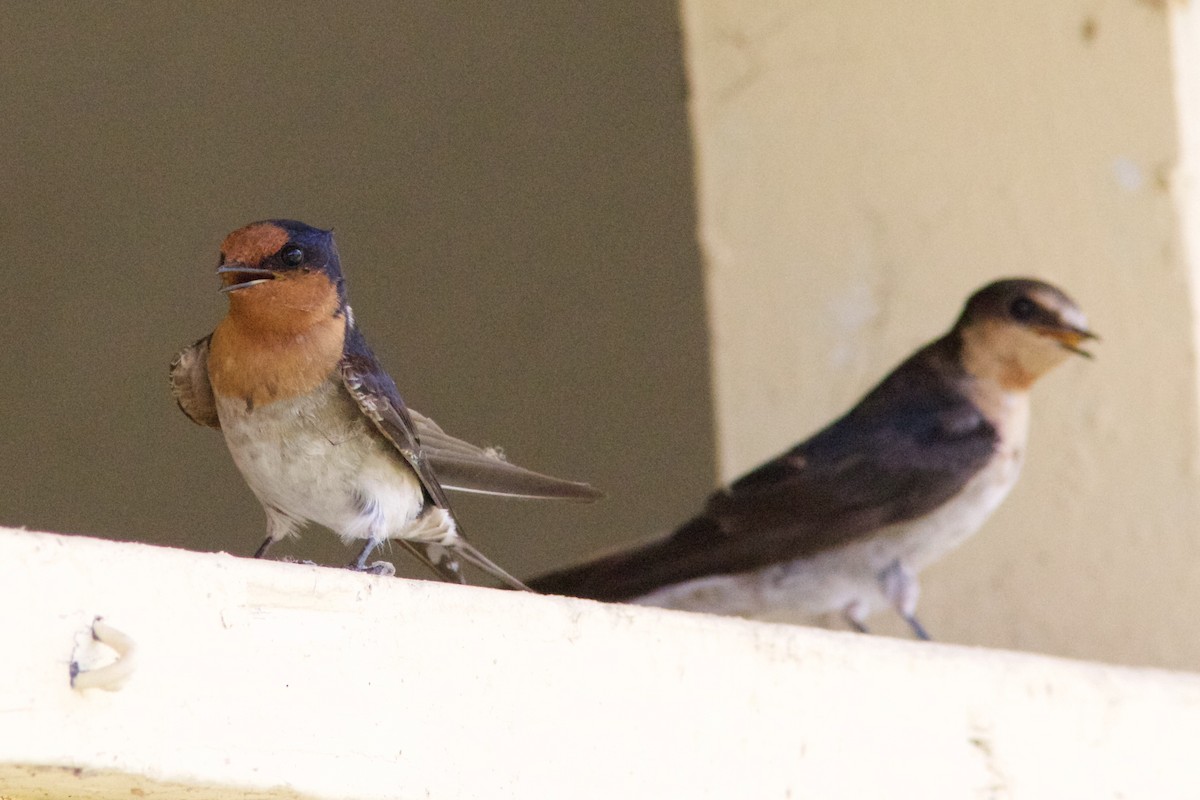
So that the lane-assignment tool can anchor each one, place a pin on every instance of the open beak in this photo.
(1070, 338)
(243, 277)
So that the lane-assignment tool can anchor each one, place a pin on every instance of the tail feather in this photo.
(602, 579)
(443, 561)
(439, 561)
(628, 573)
(477, 559)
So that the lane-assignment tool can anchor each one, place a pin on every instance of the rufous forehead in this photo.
(254, 243)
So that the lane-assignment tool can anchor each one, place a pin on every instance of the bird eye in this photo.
(1022, 309)
(291, 255)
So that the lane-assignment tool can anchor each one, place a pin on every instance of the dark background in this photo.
(512, 194)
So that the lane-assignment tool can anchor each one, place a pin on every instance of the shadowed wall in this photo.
(511, 190)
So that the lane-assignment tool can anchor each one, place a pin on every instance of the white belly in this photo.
(833, 580)
(315, 459)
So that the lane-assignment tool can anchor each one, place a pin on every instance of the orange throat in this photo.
(281, 339)
(991, 353)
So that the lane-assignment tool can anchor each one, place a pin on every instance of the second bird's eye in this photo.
(1022, 309)
(291, 255)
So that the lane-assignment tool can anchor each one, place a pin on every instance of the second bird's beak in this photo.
(1070, 338)
(242, 276)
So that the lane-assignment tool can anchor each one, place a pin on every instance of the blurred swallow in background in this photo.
(317, 427)
(844, 521)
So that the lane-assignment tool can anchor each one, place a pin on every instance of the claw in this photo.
(385, 568)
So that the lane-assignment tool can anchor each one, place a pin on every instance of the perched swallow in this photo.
(316, 426)
(844, 521)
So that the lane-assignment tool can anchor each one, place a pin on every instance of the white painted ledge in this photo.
(272, 680)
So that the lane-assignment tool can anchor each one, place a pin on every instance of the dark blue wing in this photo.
(910, 445)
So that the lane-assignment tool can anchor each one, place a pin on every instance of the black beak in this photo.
(248, 276)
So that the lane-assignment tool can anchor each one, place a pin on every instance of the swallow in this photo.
(844, 521)
(316, 426)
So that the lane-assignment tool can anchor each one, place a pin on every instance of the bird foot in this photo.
(900, 587)
(385, 568)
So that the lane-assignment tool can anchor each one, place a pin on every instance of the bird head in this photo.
(280, 273)
(1016, 330)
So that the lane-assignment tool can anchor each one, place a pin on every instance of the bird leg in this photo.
(855, 615)
(899, 585)
(376, 568)
(264, 547)
(918, 629)
(279, 526)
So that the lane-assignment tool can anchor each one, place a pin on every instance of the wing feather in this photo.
(379, 399)
(906, 448)
(190, 386)
(464, 467)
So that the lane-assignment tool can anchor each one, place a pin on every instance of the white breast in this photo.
(316, 459)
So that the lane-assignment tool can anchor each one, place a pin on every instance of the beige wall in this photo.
(861, 171)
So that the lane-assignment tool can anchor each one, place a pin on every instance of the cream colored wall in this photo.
(861, 170)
